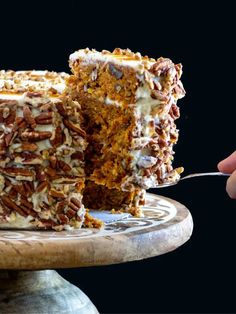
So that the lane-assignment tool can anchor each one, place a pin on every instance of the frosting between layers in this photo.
(93, 56)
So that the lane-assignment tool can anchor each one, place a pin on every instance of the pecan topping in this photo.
(28, 188)
(41, 186)
(50, 172)
(12, 206)
(47, 223)
(57, 139)
(157, 94)
(74, 127)
(63, 218)
(28, 116)
(19, 124)
(31, 147)
(33, 94)
(75, 204)
(28, 158)
(26, 203)
(40, 175)
(70, 213)
(174, 112)
(35, 136)
(12, 172)
(60, 206)
(2, 146)
(8, 103)
(44, 118)
(53, 162)
(61, 109)
(160, 66)
(78, 155)
(57, 194)
(11, 117)
(63, 165)
(9, 138)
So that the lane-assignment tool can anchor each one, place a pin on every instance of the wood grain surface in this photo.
(165, 226)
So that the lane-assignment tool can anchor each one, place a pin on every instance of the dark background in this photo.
(199, 277)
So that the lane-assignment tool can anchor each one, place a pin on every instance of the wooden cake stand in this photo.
(29, 285)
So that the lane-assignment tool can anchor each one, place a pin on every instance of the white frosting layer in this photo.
(94, 56)
(59, 87)
(17, 221)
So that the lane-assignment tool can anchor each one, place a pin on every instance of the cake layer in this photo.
(130, 105)
(101, 198)
(41, 152)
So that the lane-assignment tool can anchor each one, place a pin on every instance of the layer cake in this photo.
(129, 103)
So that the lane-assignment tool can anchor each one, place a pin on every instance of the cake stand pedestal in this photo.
(29, 285)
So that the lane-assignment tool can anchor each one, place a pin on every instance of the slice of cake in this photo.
(41, 152)
(129, 103)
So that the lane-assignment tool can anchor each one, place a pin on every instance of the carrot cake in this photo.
(96, 139)
(41, 152)
(129, 104)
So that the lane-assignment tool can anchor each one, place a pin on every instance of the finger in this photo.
(231, 185)
(228, 165)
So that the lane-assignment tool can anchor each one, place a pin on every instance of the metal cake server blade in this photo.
(107, 217)
(190, 176)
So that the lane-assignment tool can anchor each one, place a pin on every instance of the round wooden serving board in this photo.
(165, 226)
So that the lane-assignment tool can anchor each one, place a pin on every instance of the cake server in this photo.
(193, 175)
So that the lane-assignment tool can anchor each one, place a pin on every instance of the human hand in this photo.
(228, 165)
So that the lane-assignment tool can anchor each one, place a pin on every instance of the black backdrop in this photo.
(200, 276)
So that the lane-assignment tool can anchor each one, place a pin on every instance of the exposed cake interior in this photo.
(41, 152)
(130, 105)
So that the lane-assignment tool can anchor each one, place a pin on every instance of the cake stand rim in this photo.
(117, 248)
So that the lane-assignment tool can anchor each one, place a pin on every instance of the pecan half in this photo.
(157, 94)
(12, 205)
(35, 136)
(57, 139)
(19, 124)
(63, 165)
(57, 194)
(63, 218)
(2, 146)
(9, 138)
(60, 206)
(28, 116)
(11, 117)
(8, 103)
(40, 175)
(14, 172)
(33, 94)
(42, 185)
(78, 155)
(53, 162)
(174, 112)
(28, 158)
(160, 66)
(28, 188)
(50, 172)
(26, 203)
(31, 147)
(70, 213)
(61, 109)
(75, 204)
(44, 118)
(74, 127)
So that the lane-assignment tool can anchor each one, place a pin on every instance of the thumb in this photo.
(228, 165)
